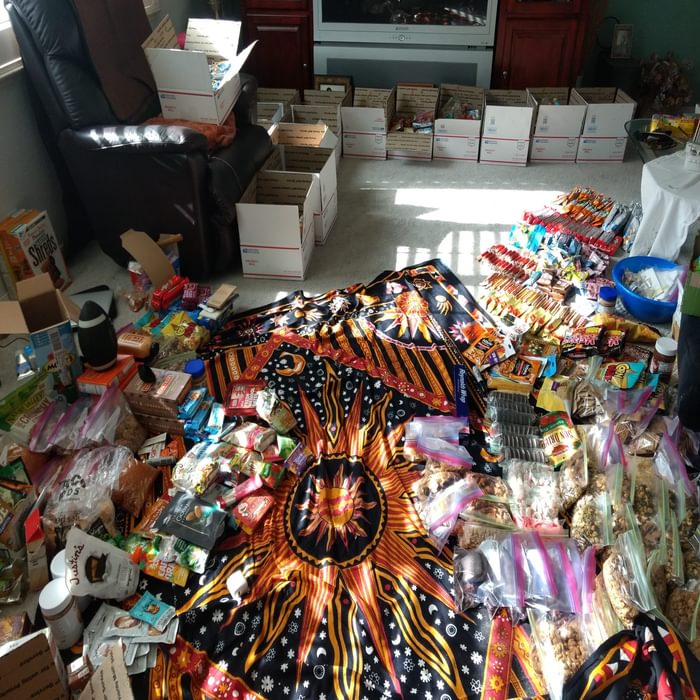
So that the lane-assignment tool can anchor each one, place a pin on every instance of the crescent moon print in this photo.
(348, 598)
(298, 364)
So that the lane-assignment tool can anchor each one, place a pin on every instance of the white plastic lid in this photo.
(58, 565)
(666, 346)
(54, 597)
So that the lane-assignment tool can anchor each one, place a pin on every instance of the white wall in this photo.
(27, 176)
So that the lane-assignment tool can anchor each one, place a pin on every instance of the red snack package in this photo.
(250, 511)
(241, 397)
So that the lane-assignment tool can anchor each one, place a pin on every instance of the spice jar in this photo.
(664, 358)
(61, 613)
(607, 298)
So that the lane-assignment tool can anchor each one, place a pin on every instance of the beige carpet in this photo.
(392, 214)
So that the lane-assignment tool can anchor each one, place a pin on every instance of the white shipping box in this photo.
(276, 225)
(310, 148)
(412, 100)
(183, 77)
(458, 139)
(287, 96)
(603, 138)
(269, 114)
(323, 106)
(366, 123)
(557, 126)
(507, 124)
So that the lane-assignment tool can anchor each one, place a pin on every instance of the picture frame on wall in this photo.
(333, 83)
(622, 41)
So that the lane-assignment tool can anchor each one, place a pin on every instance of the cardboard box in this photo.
(505, 134)
(276, 225)
(31, 668)
(410, 100)
(37, 564)
(44, 314)
(269, 114)
(366, 123)
(310, 148)
(323, 106)
(557, 126)
(30, 248)
(458, 139)
(287, 96)
(603, 138)
(183, 77)
(111, 680)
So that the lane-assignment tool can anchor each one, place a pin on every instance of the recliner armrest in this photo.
(144, 138)
(246, 107)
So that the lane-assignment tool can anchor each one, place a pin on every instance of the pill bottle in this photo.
(58, 571)
(664, 358)
(195, 368)
(61, 613)
(607, 298)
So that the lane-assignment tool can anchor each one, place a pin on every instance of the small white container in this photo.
(58, 571)
(692, 156)
(61, 613)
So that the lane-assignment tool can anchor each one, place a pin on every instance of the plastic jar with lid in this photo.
(664, 358)
(61, 613)
(58, 571)
(607, 298)
(195, 368)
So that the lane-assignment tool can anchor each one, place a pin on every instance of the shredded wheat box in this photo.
(310, 148)
(366, 123)
(411, 100)
(276, 225)
(458, 139)
(557, 126)
(30, 248)
(505, 134)
(603, 138)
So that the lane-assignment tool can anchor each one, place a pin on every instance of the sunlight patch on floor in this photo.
(473, 206)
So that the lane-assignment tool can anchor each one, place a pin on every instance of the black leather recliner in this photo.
(158, 179)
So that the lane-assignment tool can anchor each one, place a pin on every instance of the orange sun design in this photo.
(335, 508)
(410, 313)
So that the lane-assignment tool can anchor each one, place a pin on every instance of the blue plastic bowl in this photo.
(647, 310)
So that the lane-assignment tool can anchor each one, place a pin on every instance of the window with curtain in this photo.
(9, 51)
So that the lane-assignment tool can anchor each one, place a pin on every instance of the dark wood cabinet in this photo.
(539, 43)
(283, 56)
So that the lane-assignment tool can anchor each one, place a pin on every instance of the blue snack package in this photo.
(153, 611)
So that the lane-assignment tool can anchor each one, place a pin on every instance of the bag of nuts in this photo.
(561, 646)
(683, 610)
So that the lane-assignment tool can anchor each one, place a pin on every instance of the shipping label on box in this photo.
(31, 667)
(559, 149)
(276, 224)
(187, 86)
(606, 149)
(30, 248)
(504, 151)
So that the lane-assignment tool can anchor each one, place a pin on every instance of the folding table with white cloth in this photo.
(671, 206)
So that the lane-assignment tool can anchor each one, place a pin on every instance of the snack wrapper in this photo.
(274, 411)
